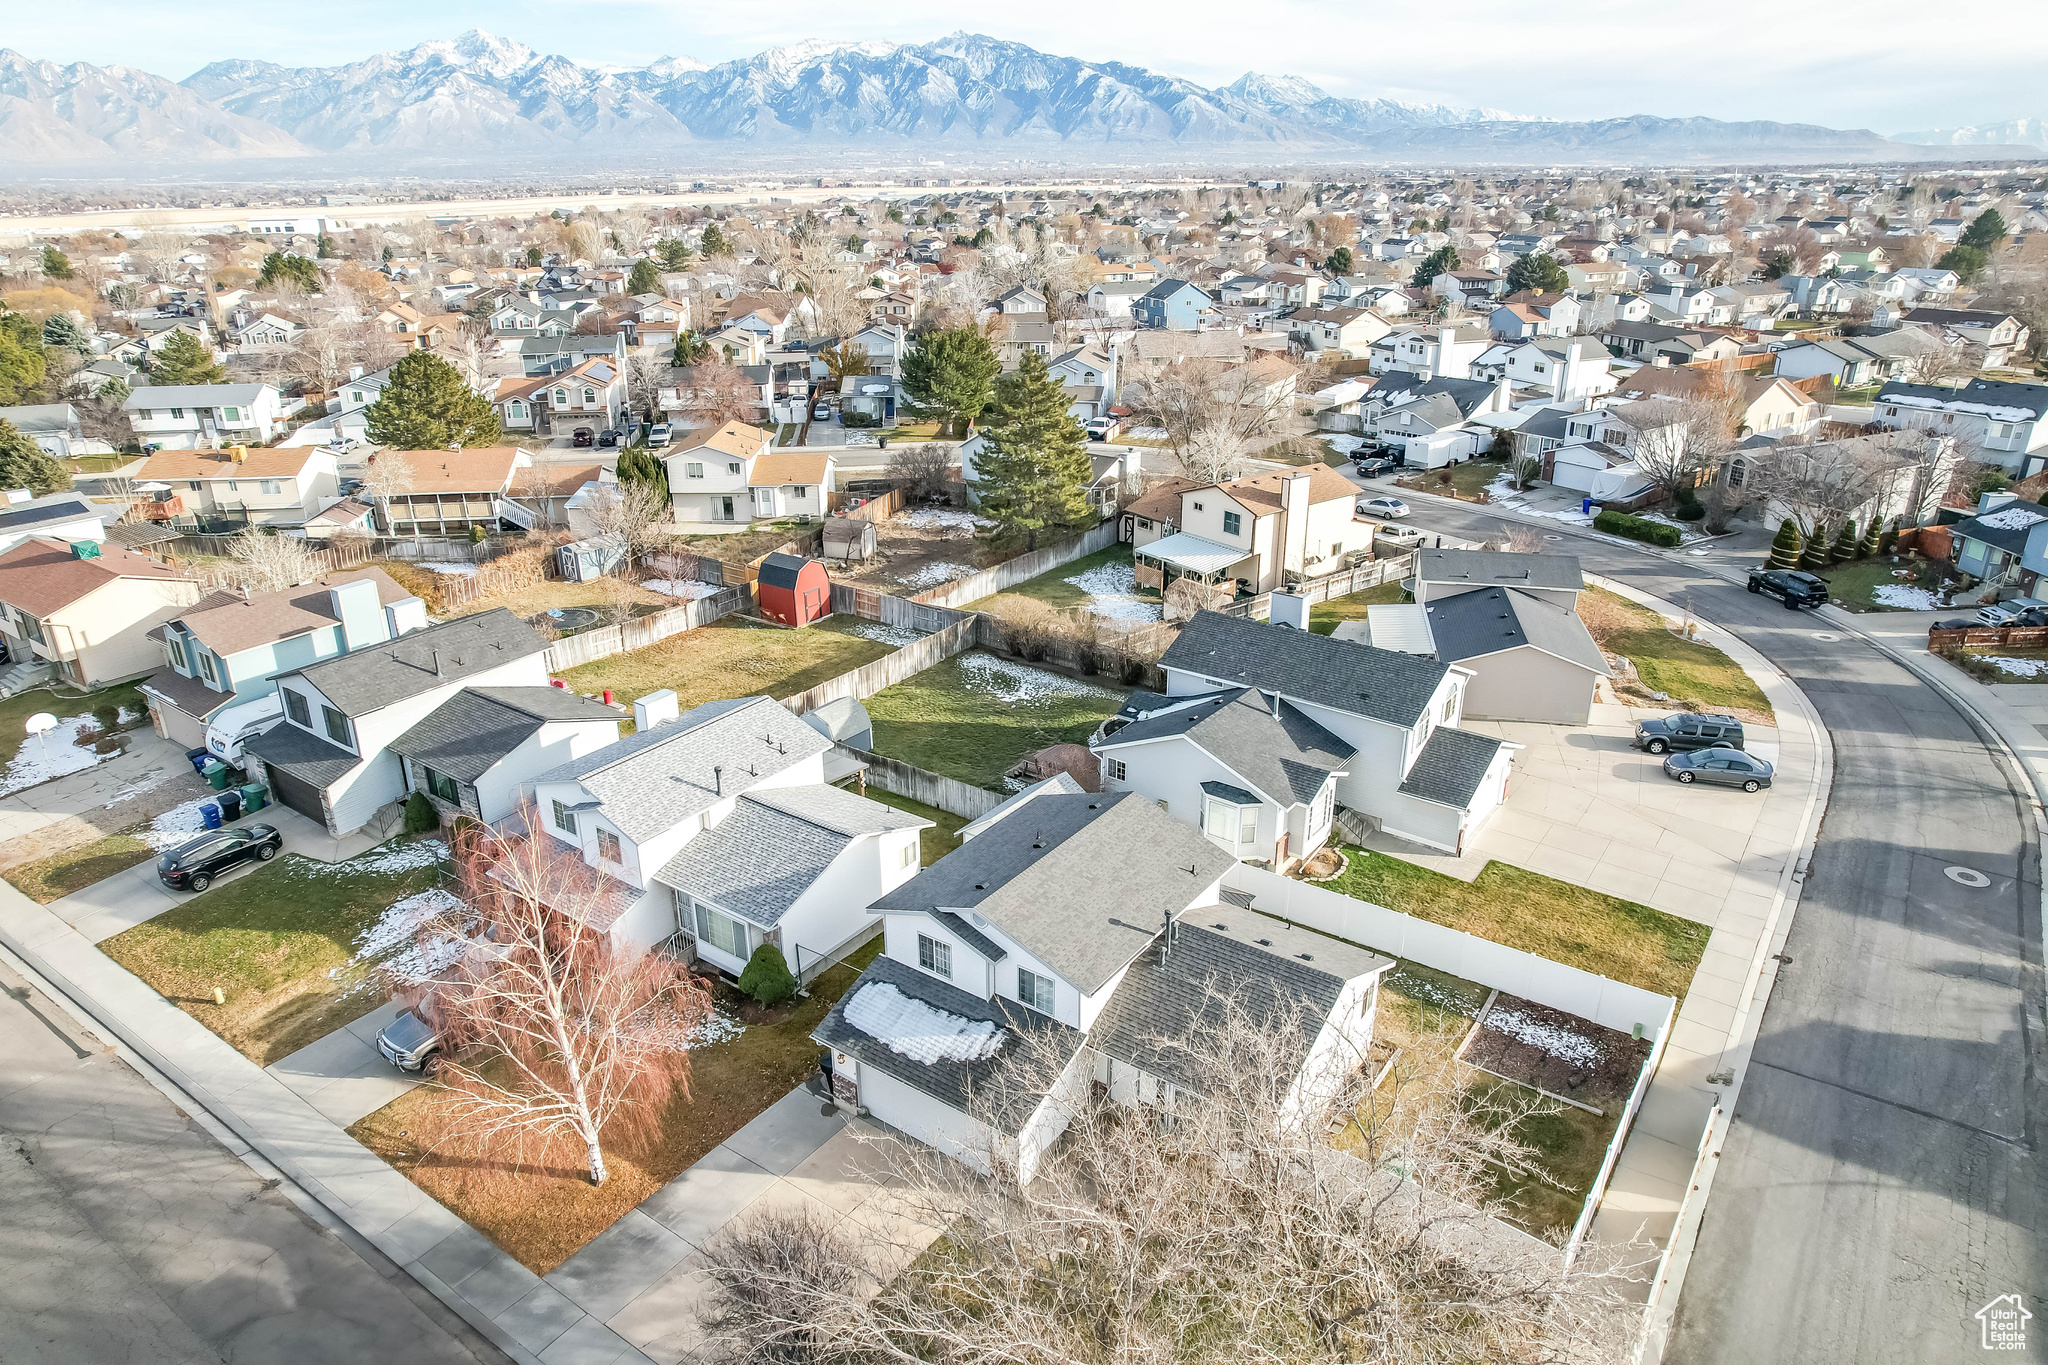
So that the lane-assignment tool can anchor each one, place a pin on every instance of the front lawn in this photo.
(280, 943)
(1597, 933)
(2002, 664)
(1684, 670)
(975, 716)
(58, 875)
(1913, 581)
(729, 659)
(543, 1214)
(936, 842)
(1467, 480)
(1052, 587)
(1325, 616)
(15, 710)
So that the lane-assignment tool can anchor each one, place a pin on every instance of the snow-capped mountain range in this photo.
(479, 99)
(2030, 132)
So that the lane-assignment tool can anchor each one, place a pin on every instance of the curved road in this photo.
(1881, 1180)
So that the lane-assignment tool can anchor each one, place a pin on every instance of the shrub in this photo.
(108, 715)
(767, 977)
(857, 420)
(1816, 554)
(1873, 539)
(1785, 549)
(1636, 528)
(476, 535)
(1845, 544)
(1690, 508)
(1888, 539)
(420, 815)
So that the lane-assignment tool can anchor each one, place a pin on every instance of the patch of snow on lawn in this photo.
(1149, 433)
(1113, 592)
(395, 947)
(944, 519)
(1559, 1043)
(176, 825)
(1021, 684)
(898, 636)
(447, 567)
(383, 860)
(1344, 444)
(54, 753)
(1905, 597)
(933, 574)
(687, 589)
(2018, 668)
(716, 1028)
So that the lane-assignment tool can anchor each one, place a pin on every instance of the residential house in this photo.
(657, 321)
(551, 355)
(1113, 299)
(87, 608)
(1413, 413)
(589, 394)
(331, 761)
(1646, 341)
(1562, 369)
(1021, 300)
(1255, 534)
(1993, 420)
(444, 494)
(1473, 288)
(720, 474)
(227, 648)
(1173, 305)
(1902, 474)
(477, 753)
(222, 491)
(1853, 362)
(1015, 334)
(1994, 338)
(1338, 330)
(1084, 929)
(1762, 404)
(1597, 277)
(1752, 304)
(1413, 770)
(204, 416)
(720, 833)
(1089, 374)
(1442, 351)
(265, 332)
(54, 427)
(69, 516)
(1155, 513)
(1512, 620)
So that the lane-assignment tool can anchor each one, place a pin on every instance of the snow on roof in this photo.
(2011, 518)
(1994, 411)
(919, 1031)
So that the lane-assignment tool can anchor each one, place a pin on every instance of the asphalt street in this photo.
(132, 1236)
(1881, 1181)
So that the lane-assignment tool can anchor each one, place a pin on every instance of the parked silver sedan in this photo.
(1725, 766)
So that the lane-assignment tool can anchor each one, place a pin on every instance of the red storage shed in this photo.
(794, 591)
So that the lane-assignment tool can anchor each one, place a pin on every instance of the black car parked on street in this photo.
(1687, 730)
(1793, 588)
(194, 864)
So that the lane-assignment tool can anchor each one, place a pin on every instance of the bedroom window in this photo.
(1034, 990)
(565, 819)
(608, 850)
(295, 707)
(934, 956)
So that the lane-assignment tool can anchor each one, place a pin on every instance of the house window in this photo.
(1229, 822)
(270, 486)
(1232, 523)
(934, 956)
(1738, 470)
(177, 413)
(801, 490)
(1114, 769)
(1035, 990)
(206, 667)
(143, 413)
(443, 786)
(1198, 507)
(231, 414)
(909, 858)
(32, 628)
(722, 932)
(693, 470)
(1144, 524)
(561, 398)
(608, 850)
(1450, 706)
(565, 819)
(590, 398)
(295, 707)
(733, 467)
(337, 724)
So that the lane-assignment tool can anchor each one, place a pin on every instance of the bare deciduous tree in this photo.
(721, 393)
(557, 1036)
(1236, 1232)
(630, 510)
(923, 468)
(264, 563)
(1211, 411)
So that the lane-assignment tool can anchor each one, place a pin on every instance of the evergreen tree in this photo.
(1033, 470)
(1443, 261)
(279, 266)
(947, 377)
(427, 406)
(714, 243)
(1785, 549)
(1779, 264)
(1872, 539)
(1539, 273)
(644, 279)
(62, 330)
(326, 250)
(1339, 262)
(1968, 262)
(691, 349)
(185, 359)
(1985, 231)
(533, 258)
(22, 363)
(637, 464)
(113, 393)
(24, 464)
(58, 267)
(766, 977)
(420, 815)
(1815, 555)
(1845, 543)
(674, 254)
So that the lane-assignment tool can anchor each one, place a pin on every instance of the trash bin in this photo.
(252, 798)
(216, 774)
(231, 804)
(209, 814)
(1585, 507)
(198, 758)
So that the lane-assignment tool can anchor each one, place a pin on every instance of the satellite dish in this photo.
(41, 721)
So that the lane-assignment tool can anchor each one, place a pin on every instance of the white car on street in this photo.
(1382, 507)
(1402, 536)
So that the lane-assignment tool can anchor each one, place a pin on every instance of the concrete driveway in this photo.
(343, 1075)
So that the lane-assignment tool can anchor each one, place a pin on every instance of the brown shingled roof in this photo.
(228, 623)
(42, 576)
(1262, 491)
(262, 463)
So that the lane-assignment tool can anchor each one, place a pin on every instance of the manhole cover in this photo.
(1966, 876)
(1552, 535)
(1825, 637)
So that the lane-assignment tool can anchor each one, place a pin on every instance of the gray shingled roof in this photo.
(1468, 625)
(1286, 756)
(367, 679)
(965, 1086)
(473, 730)
(1079, 882)
(650, 781)
(756, 862)
(303, 754)
(1059, 784)
(1265, 967)
(1340, 674)
(981, 943)
(1450, 767)
(1503, 567)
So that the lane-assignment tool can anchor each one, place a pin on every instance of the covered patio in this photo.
(1183, 555)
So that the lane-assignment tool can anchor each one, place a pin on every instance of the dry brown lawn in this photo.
(728, 659)
(1684, 670)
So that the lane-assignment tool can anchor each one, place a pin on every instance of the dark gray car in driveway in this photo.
(1724, 767)
(1687, 730)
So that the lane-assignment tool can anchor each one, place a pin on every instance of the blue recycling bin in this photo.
(1585, 507)
(198, 758)
(209, 814)
(231, 804)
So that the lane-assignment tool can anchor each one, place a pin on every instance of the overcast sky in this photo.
(1889, 65)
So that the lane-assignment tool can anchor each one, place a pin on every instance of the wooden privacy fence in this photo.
(913, 658)
(604, 641)
(1024, 567)
(2010, 637)
(919, 784)
(875, 509)
(1340, 584)
(872, 604)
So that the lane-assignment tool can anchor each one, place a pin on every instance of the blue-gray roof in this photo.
(467, 735)
(1340, 674)
(1275, 748)
(1450, 767)
(1470, 625)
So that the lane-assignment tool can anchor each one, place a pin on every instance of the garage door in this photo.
(301, 795)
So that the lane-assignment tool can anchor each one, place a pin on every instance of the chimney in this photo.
(1274, 697)
(362, 617)
(718, 779)
(1294, 496)
(1289, 609)
(654, 709)
(355, 372)
(437, 663)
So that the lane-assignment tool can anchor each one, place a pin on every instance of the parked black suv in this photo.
(1688, 731)
(193, 865)
(1374, 467)
(1793, 588)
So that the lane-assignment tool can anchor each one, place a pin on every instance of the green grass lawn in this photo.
(15, 710)
(268, 941)
(60, 874)
(1853, 582)
(1684, 670)
(1325, 616)
(944, 835)
(1467, 480)
(729, 659)
(974, 716)
(1597, 933)
(1052, 588)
